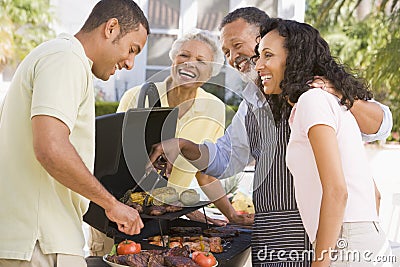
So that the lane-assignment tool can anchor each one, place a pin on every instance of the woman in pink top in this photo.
(335, 192)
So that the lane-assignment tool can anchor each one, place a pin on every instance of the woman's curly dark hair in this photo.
(308, 55)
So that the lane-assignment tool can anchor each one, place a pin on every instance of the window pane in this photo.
(164, 14)
(158, 49)
(211, 13)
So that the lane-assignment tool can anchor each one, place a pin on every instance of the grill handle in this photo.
(149, 90)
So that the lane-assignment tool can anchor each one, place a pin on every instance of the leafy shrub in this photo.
(103, 108)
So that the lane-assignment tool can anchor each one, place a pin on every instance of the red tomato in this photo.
(204, 259)
(128, 247)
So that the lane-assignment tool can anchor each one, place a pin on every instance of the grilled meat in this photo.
(156, 252)
(177, 257)
(175, 244)
(215, 244)
(156, 243)
(196, 239)
(138, 260)
(179, 261)
(112, 258)
(156, 261)
(135, 205)
(155, 238)
(185, 231)
(223, 232)
(198, 246)
(171, 208)
(176, 239)
(176, 251)
(195, 243)
(156, 210)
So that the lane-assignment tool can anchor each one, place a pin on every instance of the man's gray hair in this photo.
(206, 37)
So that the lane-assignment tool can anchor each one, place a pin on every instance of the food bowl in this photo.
(112, 264)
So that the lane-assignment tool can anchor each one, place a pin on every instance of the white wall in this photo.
(292, 9)
(71, 14)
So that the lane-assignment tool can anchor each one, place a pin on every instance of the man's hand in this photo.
(127, 218)
(242, 219)
(326, 85)
(164, 153)
(369, 115)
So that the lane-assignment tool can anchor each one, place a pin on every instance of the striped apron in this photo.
(279, 238)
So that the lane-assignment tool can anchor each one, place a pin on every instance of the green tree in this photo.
(368, 44)
(23, 25)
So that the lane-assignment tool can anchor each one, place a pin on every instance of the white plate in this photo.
(111, 263)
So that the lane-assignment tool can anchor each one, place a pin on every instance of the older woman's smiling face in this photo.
(271, 64)
(191, 65)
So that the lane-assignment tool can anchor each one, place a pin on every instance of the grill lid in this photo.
(123, 141)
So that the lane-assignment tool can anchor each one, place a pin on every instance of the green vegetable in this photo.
(114, 250)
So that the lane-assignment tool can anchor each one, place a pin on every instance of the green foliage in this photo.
(23, 25)
(103, 108)
(229, 113)
(370, 45)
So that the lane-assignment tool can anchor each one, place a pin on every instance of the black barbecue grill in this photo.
(130, 135)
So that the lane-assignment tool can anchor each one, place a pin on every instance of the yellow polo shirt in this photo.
(55, 79)
(205, 120)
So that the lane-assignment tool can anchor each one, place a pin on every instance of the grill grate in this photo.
(234, 254)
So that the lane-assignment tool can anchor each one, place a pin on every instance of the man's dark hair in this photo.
(251, 15)
(127, 12)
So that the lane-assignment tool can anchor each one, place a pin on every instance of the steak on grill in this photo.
(179, 261)
(156, 261)
(177, 251)
(156, 210)
(185, 231)
(171, 208)
(137, 260)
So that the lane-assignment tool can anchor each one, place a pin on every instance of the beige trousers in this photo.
(362, 244)
(99, 244)
(46, 260)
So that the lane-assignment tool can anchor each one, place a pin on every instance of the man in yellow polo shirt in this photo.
(47, 139)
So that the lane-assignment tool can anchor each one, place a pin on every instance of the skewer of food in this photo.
(195, 243)
(160, 201)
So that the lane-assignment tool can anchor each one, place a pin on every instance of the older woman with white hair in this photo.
(196, 57)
